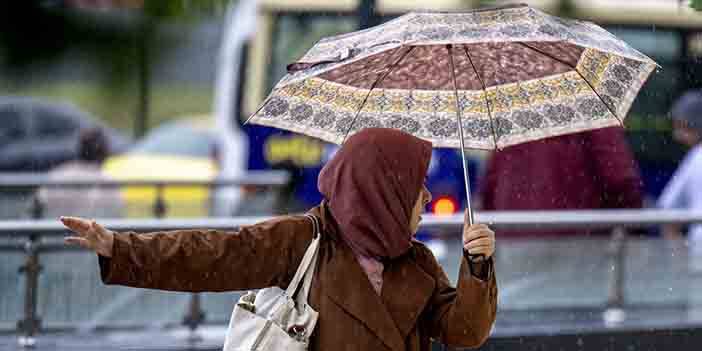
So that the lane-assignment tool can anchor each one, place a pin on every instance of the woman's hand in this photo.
(89, 235)
(478, 239)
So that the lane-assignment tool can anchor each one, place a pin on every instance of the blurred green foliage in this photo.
(184, 9)
(117, 107)
(119, 44)
(696, 4)
(34, 33)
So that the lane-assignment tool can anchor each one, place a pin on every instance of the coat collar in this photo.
(406, 289)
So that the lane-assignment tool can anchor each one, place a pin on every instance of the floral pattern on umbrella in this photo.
(512, 75)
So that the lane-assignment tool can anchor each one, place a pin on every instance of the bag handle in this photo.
(308, 260)
(304, 292)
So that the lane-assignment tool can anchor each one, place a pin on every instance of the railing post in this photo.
(37, 210)
(30, 325)
(160, 203)
(194, 317)
(212, 199)
(614, 313)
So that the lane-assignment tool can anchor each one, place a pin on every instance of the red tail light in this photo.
(444, 206)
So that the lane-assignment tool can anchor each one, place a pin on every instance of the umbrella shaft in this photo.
(466, 178)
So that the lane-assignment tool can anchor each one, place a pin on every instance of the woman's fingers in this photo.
(476, 232)
(479, 239)
(74, 240)
(78, 225)
(475, 235)
(89, 234)
(478, 243)
(83, 227)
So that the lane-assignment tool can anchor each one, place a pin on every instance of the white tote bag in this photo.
(274, 319)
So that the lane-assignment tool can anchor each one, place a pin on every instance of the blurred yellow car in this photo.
(182, 150)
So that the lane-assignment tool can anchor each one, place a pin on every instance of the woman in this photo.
(375, 288)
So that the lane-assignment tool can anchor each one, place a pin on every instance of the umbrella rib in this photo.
(487, 101)
(265, 101)
(377, 81)
(621, 123)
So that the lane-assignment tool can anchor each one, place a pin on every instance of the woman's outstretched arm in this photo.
(261, 255)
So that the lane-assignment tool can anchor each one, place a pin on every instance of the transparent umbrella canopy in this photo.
(485, 79)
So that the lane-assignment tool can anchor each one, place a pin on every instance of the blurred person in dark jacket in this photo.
(92, 201)
(588, 170)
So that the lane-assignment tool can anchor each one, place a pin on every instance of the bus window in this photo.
(294, 34)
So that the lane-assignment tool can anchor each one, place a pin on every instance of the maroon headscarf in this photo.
(371, 186)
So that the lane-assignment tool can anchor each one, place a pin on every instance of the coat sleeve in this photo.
(262, 255)
(463, 316)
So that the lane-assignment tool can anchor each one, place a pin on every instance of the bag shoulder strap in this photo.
(307, 282)
(304, 292)
(308, 260)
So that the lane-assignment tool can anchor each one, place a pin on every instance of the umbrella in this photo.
(485, 79)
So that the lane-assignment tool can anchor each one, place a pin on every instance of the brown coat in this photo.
(418, 303)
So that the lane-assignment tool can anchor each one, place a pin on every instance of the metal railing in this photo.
(33, 232)
(34, 180)
(31, 182)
